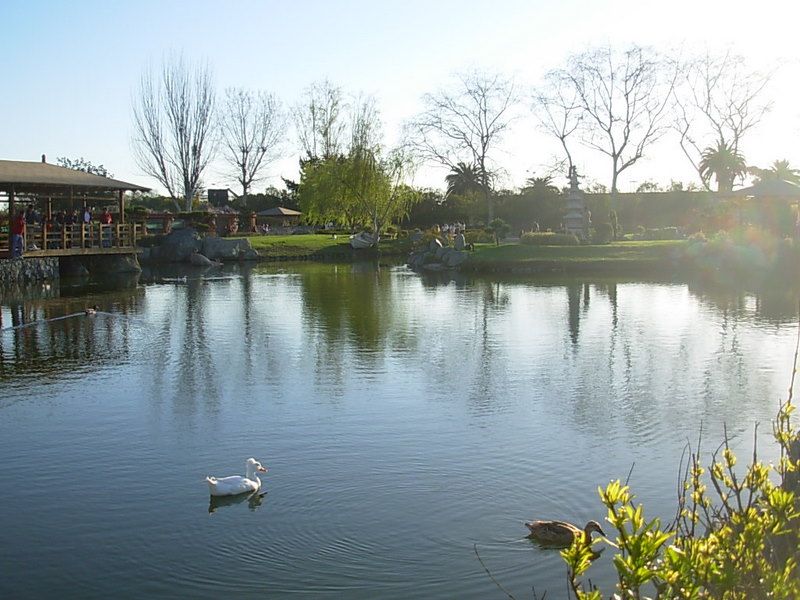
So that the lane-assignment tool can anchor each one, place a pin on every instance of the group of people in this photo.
(25, 221)
(452, 227)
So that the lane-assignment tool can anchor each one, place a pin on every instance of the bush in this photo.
(738, 545)
(665, 233)
(549, 239)
(603, 233)
(136, 213)
(499, 228)
(697, 237)
(150, 240)
(475, 236)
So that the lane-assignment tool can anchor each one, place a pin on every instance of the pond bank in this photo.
(628, 258)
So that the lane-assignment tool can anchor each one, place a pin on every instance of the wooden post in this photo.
(11, 211)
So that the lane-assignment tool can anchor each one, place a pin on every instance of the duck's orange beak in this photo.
(262, 469)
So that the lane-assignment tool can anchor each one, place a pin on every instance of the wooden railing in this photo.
(75, 237)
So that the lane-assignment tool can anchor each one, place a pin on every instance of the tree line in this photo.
(614, 102)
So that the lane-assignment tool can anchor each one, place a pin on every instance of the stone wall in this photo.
(20, 270)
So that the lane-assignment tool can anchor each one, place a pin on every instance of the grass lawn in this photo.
(486, 256)
(316, 245)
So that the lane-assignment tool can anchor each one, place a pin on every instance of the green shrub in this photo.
(697, 237)
(603, 233)
(499, 228)
(475, 236)
(150, 240)
(136, 213)
(549, 239)
(665, 233)
(735, 544)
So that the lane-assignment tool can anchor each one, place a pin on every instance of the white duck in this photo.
(236, 484)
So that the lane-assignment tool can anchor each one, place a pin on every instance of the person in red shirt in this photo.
(17, 234)
(105, 227)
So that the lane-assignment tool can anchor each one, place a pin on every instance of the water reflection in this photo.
(47, 331)
(440, 409)
(350, 302)
(254, 501)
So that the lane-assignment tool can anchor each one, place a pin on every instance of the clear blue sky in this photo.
(69, 70)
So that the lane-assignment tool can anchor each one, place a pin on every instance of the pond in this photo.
(410, 424)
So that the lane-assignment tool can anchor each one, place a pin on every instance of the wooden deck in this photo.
(77, 240)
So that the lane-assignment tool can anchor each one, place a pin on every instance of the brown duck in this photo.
(561, 533)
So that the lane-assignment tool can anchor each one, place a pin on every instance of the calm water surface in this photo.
(407, 422)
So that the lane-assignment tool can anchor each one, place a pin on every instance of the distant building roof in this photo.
(279, 211)
(771, 187)
(43, 178)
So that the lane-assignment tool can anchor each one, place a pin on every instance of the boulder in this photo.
(179, 245)
(455, 257)
(216, 248)
(199, 260)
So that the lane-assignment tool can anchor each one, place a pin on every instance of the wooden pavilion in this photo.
(771, 203)
(281, 216)
(22, 182)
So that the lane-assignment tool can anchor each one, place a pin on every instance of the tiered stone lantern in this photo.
(577, 218)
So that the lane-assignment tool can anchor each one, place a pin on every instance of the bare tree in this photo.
(465, 124)
(624, 99)
(319, 121)
(718, 101)
(253, 126)
(173, 126)
(556, 106)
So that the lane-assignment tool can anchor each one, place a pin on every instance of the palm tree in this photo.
(464, 178)
(540, 186)
(724, 162)
(780, 169)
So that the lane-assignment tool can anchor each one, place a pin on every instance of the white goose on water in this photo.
(236, 484)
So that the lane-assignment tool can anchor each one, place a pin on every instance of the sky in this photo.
(71, 70)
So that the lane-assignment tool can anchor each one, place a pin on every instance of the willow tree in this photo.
(173, 118)
(364, 186)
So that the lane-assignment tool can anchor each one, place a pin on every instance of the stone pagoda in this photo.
(577, 218)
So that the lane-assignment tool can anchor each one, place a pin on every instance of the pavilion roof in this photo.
(43, 178)
(771, 187)
(279, 211)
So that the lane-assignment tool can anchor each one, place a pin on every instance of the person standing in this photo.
(18, 234)
(105, 227)
(85, 222)
(32, 219)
